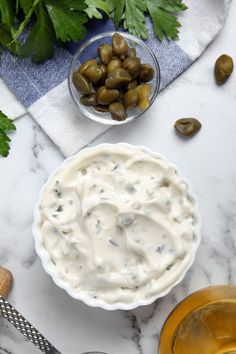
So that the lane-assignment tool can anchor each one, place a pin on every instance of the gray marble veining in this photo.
(207, 160)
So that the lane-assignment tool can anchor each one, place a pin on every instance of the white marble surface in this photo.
(207, 160)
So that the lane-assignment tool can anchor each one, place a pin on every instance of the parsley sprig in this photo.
(162, 12)
(6, 125)
(58, 21)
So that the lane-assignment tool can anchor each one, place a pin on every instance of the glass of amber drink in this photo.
(203, 323)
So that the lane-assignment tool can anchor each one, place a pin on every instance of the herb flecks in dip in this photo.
(118, 223)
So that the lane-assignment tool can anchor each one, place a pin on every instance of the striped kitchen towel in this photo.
(42, 89)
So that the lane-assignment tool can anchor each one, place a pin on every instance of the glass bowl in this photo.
(204, 322)
(88, 50)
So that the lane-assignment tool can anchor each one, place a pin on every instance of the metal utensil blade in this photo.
(23, 326)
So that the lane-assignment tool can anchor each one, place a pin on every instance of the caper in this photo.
(224, 67)
(121, 96)
(119, 44)
(81, 83)
(104, 74)
(131, 85)
(131, 52)
(93, 73)
(114, 64)
(143, 91)
(117, 78)
(85, 65)
(146, 73)
(187, 126)
(131, 98)
(89, 100)
(105, 52)
(117, 111)
(101, 108)
(132, 65)
(106, 96)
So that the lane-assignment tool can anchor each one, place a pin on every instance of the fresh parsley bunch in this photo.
(60, 21)
(50, 21)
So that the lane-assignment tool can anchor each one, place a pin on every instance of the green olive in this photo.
(131, 52)
(101, 108)
(81, 83)
(105, 96)
(132, 85)
(224, 67)
(105, 52)
(143, 91)
(132, 65)
(119, 44)
(146, 73)
(117, 111)
(187, 127)
(85, 65)
(89, 100)
(117, 78)
(131, 98)
(114, 64)
(93, 73)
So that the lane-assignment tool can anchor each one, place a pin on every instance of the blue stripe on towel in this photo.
(30, 81)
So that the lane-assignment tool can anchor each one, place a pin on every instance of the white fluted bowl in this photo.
(51, 269)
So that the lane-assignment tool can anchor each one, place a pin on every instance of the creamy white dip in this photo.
(118, 223)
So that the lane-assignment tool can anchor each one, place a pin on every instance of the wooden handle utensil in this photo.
(6, 282)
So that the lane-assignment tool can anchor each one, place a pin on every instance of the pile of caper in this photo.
(115, 82)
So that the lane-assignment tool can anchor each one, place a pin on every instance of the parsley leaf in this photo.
(172, 5)
(68, 24)
(39, 43)
(164, 22)
(6, 125)
(73, 4)
(26, 5)
(7, 12)
(117, 9)
(162, 12)
(4, 144)
(50, 20)
(6, 39)
(135, 20)
(94, 6)
(17, 33)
